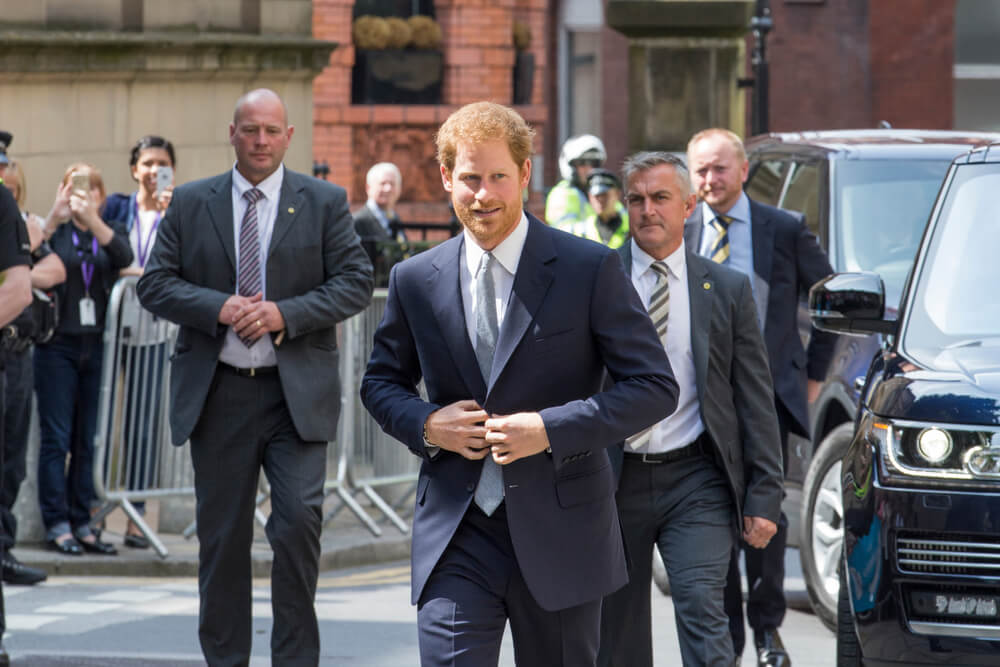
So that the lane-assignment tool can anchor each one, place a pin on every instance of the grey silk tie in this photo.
(659, 312)
(489, 491)
(248, 281)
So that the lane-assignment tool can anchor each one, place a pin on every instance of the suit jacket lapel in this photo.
(446, 296)
(762, 233)
(289, 203)
(220, 210)
(700, 297)
(531, 283)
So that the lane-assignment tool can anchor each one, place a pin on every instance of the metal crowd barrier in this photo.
(135, 462)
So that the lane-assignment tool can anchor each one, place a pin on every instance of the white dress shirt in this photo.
(683, 426)
(508, 255)
(261, 353)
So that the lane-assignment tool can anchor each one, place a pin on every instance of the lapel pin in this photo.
(291, 210)
(707, 285)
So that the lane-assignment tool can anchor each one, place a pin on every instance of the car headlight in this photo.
(910, 449)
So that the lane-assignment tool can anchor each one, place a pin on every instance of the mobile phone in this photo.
(81, 182)
(164, 179)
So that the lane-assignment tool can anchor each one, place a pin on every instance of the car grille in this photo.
(956, 556)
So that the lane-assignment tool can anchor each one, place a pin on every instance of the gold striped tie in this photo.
(659, 312)
(719, 252)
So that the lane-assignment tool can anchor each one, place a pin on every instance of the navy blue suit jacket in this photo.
(787, 260)
(572, 314)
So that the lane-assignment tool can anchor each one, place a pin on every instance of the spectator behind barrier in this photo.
(68, 367)
(151, 161)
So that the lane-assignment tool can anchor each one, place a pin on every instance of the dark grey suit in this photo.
(698, 502)
(318, 275)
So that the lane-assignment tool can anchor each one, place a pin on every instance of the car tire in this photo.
(821, 529)
(660, 573)
(848, 646)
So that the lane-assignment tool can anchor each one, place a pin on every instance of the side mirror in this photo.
(850, 303)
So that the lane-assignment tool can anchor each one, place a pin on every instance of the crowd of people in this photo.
(587, 396)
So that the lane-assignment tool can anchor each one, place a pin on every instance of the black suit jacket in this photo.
(787, 261)
(317, 274)
(572, 313)
(733, 383)
(369, 228)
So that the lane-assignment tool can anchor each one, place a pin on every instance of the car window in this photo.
(766, 178)
(882, 208)
(953, 321)
(802, 195)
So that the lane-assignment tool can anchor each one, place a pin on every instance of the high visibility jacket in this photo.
(566, 205)
(588, 229)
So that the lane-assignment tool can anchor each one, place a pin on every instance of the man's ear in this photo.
(525, 173)
(446, 178)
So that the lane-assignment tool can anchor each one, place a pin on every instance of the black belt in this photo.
(697, 448)
(249, 372)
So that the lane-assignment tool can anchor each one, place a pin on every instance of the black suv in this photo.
(920, 574)
(866, 194)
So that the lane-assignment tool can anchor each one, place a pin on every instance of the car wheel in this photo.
(821, 529)
(660, 573)
(848, 646)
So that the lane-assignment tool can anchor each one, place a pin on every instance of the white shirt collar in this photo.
(740, 212)
(641, 261)
(507, 252)
(270, 186)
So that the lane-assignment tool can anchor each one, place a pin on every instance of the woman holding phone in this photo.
(152, 162)
(68, 367)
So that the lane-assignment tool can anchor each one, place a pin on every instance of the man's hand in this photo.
(233, 305)
(758, 531)
(458, 427)
(812, 390)
(253, 320)
(513, 437)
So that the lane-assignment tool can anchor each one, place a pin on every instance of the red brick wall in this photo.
(478, 57)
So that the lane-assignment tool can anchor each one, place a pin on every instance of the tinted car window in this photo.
(954, 314)
(883, 206)
(802, 194)
(765, 182)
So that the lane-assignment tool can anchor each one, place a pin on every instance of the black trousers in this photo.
(477, 587)
(3, 612)
(245, 426)
(765, 570)
(20, 384)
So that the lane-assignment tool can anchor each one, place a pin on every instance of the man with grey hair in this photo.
(258, 265)
(377, 219)
(690, 483)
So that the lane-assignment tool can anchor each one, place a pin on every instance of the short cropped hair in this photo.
(646, 160)
(733, 138)
(381, 167)
(151, 141)
(480, 122)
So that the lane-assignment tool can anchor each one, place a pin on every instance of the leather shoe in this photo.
(16, 572)
(98, 547)
(136, 541)
(67, 547)
(4, 656)
(770, 650)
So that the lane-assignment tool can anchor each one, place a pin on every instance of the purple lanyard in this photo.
(86, 268)
(142, 249)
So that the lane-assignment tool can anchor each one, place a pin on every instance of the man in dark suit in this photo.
(257, 265)
(511, 326)
(713, 465)
(377, 219)
(782, 258)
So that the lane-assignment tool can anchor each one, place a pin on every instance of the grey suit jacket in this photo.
(787, 260)
(317, 274)
(734, 386)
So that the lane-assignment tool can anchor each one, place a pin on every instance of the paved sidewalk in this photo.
(345, 543)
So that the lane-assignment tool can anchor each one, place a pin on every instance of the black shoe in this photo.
(770, 650)
(4, 656)
(16, 572)
(68, 547)
(136, 541)
(98, 547)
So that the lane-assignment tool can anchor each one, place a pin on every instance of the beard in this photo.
(488, 233)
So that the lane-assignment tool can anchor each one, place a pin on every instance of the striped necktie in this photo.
(719, 252)
(248, 279)
(489, 491)
(659, 312)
